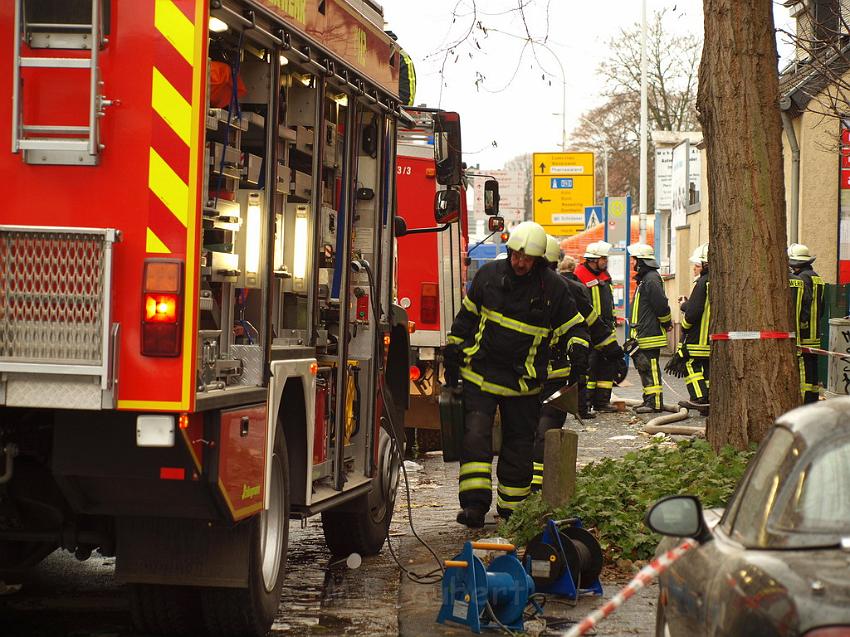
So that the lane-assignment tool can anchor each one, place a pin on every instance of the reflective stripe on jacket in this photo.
(696, 313)
(507, 325)
(808, 306)
(650, 311)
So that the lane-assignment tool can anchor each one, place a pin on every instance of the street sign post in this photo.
(618, 212)
(563, 187)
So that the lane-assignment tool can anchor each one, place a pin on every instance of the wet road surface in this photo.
(65, 598)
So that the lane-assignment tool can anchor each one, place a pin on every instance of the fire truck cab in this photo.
(198, 336)
(433, 262)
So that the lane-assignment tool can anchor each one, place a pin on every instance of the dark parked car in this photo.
(776, 561)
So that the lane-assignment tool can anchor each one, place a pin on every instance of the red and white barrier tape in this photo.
(750, 336)
(642, 579)
(824, 352)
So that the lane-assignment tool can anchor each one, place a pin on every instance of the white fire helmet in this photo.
(799, 254)
(597, 250)
(530, 238)
(645, 253)
(553, 249)
(700, 254)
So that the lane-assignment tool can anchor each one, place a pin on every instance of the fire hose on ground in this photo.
(662, 424)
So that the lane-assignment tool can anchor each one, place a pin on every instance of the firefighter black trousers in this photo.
(646, 362)
(519, 418)
(809, 388)
(697, 379)
(550, 418)
(600, 382)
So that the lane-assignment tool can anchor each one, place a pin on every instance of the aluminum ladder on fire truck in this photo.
(57, 144)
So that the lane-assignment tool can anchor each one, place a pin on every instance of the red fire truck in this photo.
(198, 338)
(432, 264)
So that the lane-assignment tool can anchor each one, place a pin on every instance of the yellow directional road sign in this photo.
(563, 164)
(563, 187)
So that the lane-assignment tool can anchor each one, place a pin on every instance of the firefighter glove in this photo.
(621, 370)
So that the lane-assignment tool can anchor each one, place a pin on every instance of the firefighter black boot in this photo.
(699, 404)
(471, 517)
(647, 409)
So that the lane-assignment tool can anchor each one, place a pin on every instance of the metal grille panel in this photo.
(51, 297)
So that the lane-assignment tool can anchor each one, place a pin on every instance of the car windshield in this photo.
(753, 504)
(818, 498)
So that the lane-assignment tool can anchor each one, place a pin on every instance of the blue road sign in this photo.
(562, 183)
(592, 216)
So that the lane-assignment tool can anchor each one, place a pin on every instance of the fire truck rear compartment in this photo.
(80, 482)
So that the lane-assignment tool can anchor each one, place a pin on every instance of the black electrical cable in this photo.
(492, 613)
(397, 447)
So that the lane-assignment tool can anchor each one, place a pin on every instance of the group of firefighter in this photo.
(533, 323)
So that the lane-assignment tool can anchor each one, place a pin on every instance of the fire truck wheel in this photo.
(164, 610)
(18, 557)
(362, 527)
(249, 612)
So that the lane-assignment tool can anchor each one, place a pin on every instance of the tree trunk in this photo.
(752, 381)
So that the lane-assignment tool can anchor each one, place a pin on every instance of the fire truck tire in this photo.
(16, 558)
(362, 527)
(165, 610)
(249, 612)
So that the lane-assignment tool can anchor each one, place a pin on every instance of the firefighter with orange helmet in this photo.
(516, 309)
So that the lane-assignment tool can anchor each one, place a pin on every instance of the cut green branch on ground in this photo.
(613, 495)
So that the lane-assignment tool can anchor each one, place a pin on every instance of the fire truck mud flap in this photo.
(230, 577)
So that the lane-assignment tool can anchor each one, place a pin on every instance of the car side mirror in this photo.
(446, 206)
(678, 516)
(496, 224)
(447, 149)
(491, 197)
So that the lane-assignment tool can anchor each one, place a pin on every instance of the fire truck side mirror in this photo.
(495, 224)
(447, 149)
(446, 206)
(399, 226)
(491, 197)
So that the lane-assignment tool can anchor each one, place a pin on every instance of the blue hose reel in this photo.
(564, 560)
(480, 596)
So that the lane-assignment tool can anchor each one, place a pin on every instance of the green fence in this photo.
(836, 304)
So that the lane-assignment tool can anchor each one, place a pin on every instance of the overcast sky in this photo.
(505, 114)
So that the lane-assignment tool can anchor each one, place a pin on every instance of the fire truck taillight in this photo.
(162, 307)
(428, 302)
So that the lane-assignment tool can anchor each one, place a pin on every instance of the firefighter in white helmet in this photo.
(696, 347)
(606, 353)
(499, 345)
(650, 320)
(807, 288)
